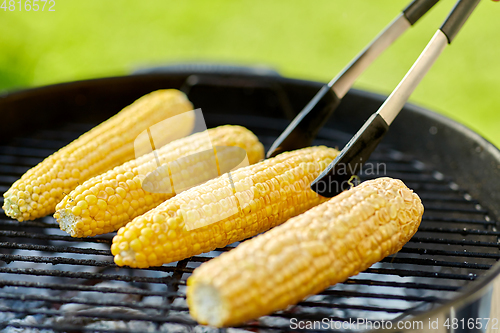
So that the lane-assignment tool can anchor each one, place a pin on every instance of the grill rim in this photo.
(473, 291)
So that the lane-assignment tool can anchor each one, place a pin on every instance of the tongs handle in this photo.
(455, 21)
(303, 129)
(417, 9)
(335, 178)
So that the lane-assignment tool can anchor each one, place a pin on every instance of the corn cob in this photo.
(107, 202)
(308, 253)
(229, 208)
(104, 147)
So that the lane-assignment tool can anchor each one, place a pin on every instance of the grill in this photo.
(54, 282)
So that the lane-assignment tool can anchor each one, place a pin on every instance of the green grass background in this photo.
(305, 39)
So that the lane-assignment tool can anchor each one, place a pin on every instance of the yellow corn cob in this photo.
(229, 208)
(102, 148)
(308, 253)
(107, 202)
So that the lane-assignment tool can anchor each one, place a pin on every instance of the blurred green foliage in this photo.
(305, 39)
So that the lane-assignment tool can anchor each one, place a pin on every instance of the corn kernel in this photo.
(131, 184)
(172, 223)
(140, 257)
(113, 200)
(121, 187)
(114, 249)
(91, 199)
(93, 210)
(83, 204)
(121, 192)
(129, 235)
(171, 234)
(147, 232)
(110, 191)
(134, 204)
(101, 204)
(158, 218)
(167, 247)
(123, 246)
(136, 245)
(152, 257)
(149, 199)
(308, 253)
(156, 227)
(99, 216)
(76, 210)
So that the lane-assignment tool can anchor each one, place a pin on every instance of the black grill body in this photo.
(448, 270)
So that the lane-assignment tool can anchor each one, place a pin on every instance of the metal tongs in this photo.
(303, 129)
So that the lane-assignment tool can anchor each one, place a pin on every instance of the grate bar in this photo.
(36, 223)
(8, 180)
(461, 231)
(407, 285)
(52, 248)
(8, 258)
(25, 151)
(84, 262)
(455, 199)
(66, 135)
(348, 293)
(23, 234)
(401, 167)
(456, 220)
(450, 253)
(65, 300)
(454, 242)
(39, 143)
(445, 188)
(414, 273)
(433, 262)
(350, 306)
(106, 316)
(134, 305)
(65, 328)
(79, 287)
(85, 275)
(13, 169)
(407, 177)
(412, 261)
(429, 207)
(17, 160)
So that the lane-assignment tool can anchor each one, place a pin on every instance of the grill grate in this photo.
(52, 281)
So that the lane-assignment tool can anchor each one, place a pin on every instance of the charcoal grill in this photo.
(52, 282)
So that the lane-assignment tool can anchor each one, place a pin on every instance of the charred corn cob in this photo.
(107, 202)
(232, 207)
(104, 147)
(308, 253)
